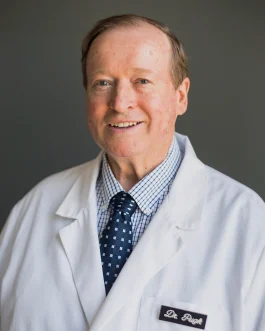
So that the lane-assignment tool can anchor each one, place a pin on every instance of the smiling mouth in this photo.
(124, 125)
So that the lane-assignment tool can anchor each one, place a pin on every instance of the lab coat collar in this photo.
(82, 190)
(186, 197)
(187, 188)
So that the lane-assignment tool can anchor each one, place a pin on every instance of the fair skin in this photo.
(129, 83)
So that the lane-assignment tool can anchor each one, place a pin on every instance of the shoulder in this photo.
(65, 178)
(235, 205)
(221, 189)
(222, 185)
(50, 191)
(41, 203)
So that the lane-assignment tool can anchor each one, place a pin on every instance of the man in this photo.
(144, 237)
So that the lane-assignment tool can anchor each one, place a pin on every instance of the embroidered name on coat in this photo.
(183, 317)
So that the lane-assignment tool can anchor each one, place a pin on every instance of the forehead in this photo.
(143, 45)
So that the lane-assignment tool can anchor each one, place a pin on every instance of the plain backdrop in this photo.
(42, 101)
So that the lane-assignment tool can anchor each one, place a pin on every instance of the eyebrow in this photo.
(142, 71)
(134, 70)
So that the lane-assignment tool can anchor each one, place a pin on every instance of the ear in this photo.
(182, 96)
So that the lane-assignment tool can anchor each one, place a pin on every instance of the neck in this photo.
(129, 171)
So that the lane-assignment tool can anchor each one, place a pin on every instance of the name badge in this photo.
(183, 317)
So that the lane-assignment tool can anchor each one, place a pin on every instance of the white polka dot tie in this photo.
(116, 239)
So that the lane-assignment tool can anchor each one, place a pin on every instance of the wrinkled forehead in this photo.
(145, 39)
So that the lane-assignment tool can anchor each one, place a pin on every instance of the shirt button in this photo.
(148, 210)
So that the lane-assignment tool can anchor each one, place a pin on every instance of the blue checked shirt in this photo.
(149, 193)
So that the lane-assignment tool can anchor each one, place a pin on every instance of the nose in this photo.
(122, 97)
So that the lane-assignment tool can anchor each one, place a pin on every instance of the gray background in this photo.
(42, 101)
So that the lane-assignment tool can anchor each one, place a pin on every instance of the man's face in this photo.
(129, 83)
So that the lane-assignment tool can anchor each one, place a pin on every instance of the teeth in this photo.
(124, 125)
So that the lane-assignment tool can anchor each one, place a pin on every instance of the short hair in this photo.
(179, 62)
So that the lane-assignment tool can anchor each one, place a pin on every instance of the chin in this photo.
(122, 151)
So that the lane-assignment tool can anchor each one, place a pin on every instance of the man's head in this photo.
(130, 80)
(179, 63)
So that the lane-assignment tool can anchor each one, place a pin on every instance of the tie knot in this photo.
(124, 203)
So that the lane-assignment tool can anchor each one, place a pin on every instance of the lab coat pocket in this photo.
(157, 314)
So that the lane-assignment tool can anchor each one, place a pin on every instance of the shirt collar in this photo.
(151, 187)
(110, 185)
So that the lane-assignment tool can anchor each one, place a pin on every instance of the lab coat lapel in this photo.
(163, 238)
(80, 241)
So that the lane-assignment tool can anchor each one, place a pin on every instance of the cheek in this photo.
(92, 120)
(161, 111)
(93, 111)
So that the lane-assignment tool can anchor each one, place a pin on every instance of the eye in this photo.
(143, 81)
(102, 83)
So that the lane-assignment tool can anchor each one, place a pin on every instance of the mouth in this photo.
(123, 125)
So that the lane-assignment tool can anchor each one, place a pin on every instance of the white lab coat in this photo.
(203, 252)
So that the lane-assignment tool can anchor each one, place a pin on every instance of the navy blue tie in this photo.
(116, 239)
